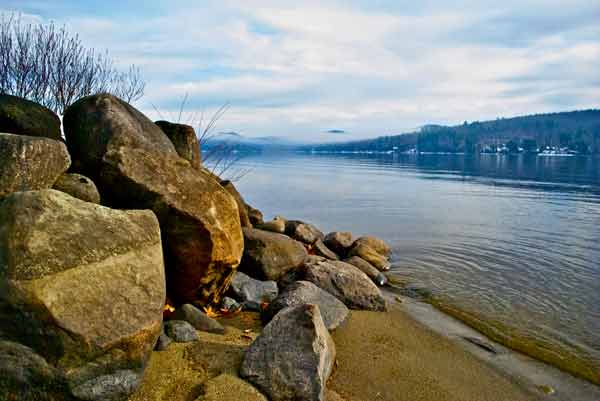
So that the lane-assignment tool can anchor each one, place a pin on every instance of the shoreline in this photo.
(411, 352)
(538, 377)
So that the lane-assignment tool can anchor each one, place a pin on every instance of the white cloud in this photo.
(300, 69)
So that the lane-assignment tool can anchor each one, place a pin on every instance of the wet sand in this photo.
(380, 356)
(392, 357)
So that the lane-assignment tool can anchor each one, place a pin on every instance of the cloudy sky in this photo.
(365, 67)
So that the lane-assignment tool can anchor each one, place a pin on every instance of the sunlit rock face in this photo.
(83, 287)
(135, 166)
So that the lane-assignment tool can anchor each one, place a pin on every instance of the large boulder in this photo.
(369, 254)
(333, 311)
(23, 117)
(293, 357)
(83, 286)
(229, 187)
(346, 283)
(377, 244)
(267, 255)
(135, 165)
(303, 232)
(185, 141)
(30, 163)
(253, 292)
(78, 186)
(96, 125)
(339, 242)
(374, 274)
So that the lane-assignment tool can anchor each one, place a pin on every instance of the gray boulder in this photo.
(369, 254)
(303, 232)
(181, 331)
(23, 117)
(135, 165)
(116, 386)
(321, 250)
(82, 285)
(198, 319)
(24, 375)
(163, 342)
(339, 242)
(346, 283)
(269, 255)
(185, 141)
(249, 290)
(374, 274)
(30, 163)
(333, 311)
(78, 186)
(293, 357)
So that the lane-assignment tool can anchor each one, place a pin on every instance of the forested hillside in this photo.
(577, 131)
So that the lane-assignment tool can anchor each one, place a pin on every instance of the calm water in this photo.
(515, 240)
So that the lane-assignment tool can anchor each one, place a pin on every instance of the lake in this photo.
(509, 244)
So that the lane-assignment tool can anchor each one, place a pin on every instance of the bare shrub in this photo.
(48, 65)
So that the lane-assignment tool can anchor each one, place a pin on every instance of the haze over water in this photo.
(512, 239)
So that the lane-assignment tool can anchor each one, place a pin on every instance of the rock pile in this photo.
(100, 228)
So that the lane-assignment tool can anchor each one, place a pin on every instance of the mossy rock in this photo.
(23, 117)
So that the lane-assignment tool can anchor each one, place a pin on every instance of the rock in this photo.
(24, 375)
(181, 331)
(321, 250)
(339, 242)
(185, 141)
(30, 163)
(226, 387)
(293, 357)
(367, 268)
(275, 226)
(378, 245)
(135, 165)
(198, 319)
(23, 117)
(78, 186)
(163, 342)
(346, 283)
(230, 304)
(370, 255)
(248, 289)
(229, 187)
(269, 255)
(82, 285)
(95, 125)
(303, 232)
(114, 386)
(255, 215)
(333, 311)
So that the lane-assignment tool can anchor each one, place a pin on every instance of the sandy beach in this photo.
(380, 356)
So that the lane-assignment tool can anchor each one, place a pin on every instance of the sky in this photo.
(333, 70)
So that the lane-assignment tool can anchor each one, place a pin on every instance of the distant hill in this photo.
(240, 143)
(576, 131)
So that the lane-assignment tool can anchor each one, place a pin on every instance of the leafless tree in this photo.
(46, 64)
(219, 157)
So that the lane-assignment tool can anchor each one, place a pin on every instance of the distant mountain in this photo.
(235, 141)
(576, 132)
